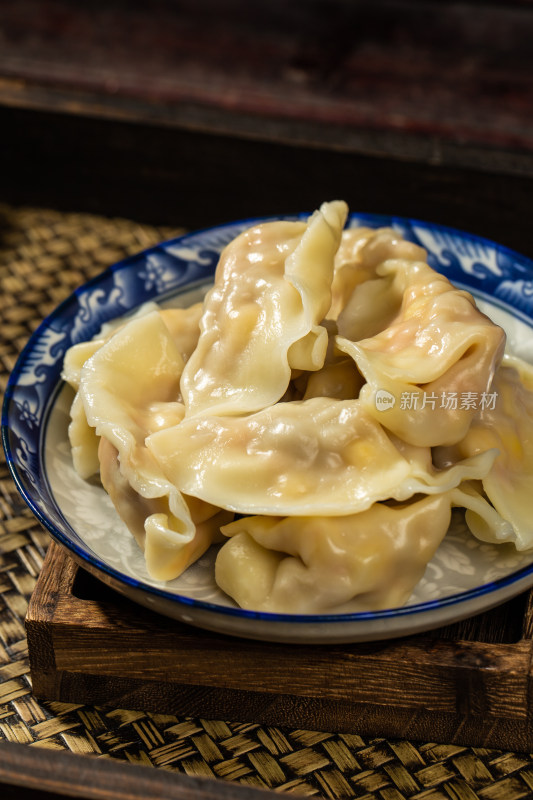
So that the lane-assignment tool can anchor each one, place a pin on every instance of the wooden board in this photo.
(417, 108)
(432, 82)
(466, 684)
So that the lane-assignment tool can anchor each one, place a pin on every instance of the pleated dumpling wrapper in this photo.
(499, 507)
(317, 456)
(129, 388)
(361, 562)
(433, 350)
(262, 318)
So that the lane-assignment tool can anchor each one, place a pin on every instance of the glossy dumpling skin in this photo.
(183, 327)
(262, 317)
(151, 520)
(362, 250)
(307, 565)
(504, 423)
(435, 349)
(317, 456)
(129, 388)
(82, 437)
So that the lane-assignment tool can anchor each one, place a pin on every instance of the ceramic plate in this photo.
(464, 578)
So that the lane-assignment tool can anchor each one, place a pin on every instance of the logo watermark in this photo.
(451, 401)
(384, 400)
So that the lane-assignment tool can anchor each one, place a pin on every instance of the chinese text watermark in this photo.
(451, 401)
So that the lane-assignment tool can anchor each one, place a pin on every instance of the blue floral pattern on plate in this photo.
(498, 277)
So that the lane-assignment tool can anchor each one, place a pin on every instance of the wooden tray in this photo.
(466, 684)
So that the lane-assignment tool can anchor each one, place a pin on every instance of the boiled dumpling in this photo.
(504, 423)
(317, 456)
(129, 389)
(436, 352)
(262, 317)
(309, 565)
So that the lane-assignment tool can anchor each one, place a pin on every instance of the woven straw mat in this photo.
(44, 255)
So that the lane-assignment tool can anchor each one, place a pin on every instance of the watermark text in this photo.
(451, 401)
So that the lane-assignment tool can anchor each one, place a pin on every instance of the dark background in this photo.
(194, 113)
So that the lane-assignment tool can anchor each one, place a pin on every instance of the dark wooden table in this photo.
(203, 111)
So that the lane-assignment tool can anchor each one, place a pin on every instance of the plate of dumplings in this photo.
(313, 428)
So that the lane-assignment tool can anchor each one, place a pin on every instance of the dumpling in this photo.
(480, 516)
(504, 422)
(150, 518)
(436, 353)
(318, 456)
(306, 565)
(361, 299)
(183, 327)
(83, 440)
(262, 317)
(82, 437)
(129, 389)
(338, 378)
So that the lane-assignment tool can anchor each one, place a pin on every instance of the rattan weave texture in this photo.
(44, 255)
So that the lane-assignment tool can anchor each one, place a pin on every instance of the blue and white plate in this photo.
(464, 578)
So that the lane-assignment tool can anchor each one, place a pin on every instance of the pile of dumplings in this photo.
(313, 416)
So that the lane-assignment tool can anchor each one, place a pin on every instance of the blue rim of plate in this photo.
(486, 268)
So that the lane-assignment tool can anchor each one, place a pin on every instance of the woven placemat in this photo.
(44, 255)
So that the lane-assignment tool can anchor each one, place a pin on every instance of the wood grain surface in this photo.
(33, 774)
(429, 81)
(205, 112)
(100, 648)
